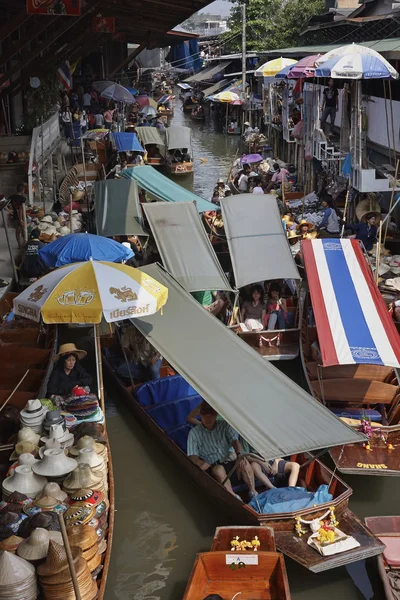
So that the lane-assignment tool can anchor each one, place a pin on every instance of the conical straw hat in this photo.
(53, 489)
(11, 543)
(56, 559)
(83, 536)
(94, 561)
(35, 546)
(14, 569)
(64, 576)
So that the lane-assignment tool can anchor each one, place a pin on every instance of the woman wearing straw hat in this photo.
(304, 228)
(68, 373)
(294, 243)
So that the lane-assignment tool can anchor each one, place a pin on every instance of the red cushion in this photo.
(392, 550)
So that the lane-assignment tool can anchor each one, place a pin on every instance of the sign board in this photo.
(69, 8)
(103, 24)
(247, 559)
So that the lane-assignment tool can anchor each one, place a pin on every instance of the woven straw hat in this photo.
(56, 559)
(11, 543)
(70, 349)
(53, 489)
(90, 457)
(26, 434)
(47, 503)
(58, 432)
(94, 561)
(26, 459)
(84, 537)
(54, 464)
(89, 497)
(79, 514)
(15, 570)
(82, 477)
(64, 576)
(23, 448)
(87, 442)
(47, 219)
(25, 482)
(51, 444)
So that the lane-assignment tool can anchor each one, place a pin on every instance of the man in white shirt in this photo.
(243, 183)
(258, 189)
(86, 100)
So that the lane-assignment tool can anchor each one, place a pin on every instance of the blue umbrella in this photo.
(284, 72)
(78, 247)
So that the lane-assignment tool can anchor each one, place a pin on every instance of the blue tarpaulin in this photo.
(127, 142)
(77, 247)
(163, 188)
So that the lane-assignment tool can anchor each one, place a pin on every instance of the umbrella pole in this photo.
(14, 268)
(99, 368)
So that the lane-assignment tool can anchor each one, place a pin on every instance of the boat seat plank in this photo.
(9, 378)
(28, 337)
(375, 372)
(23, 356)
(18, 399)
(358, 391)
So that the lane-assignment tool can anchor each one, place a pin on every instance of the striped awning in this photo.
(353, 323)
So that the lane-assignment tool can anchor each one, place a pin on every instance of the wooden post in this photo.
(69, 556)
(391, 201)
(345, 208)
(99, 368)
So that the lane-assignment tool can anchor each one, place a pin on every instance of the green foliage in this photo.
(270, 23)
(42, 102)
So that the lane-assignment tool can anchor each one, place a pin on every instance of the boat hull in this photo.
(179, 168)
(388, 526)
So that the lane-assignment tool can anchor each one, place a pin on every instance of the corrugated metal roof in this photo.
(208, 73)
(382, 46)
(215, 88)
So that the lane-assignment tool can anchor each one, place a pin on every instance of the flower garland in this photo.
(316, 524)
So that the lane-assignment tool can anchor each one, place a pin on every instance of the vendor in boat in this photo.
(219, 191)
(144, 361)
(214, 447)
(279, 176)
(329, 226)
(32, 265)
(294, 243)
(304, 228)
(366, 231)
(253, 311)
(68, 373)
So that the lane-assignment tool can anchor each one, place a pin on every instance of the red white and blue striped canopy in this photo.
(353, 323)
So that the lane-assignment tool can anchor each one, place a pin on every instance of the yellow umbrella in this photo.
(272, 67)
(87, 291)
(153, 103)
(226, 97)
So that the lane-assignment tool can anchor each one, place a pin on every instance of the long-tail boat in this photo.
(387, 529)
(351, 353)
(228, 369)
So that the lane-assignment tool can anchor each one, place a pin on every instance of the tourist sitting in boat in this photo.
(144, 361)
(253, 311)
(32, 265)
(253, 181)
(275, 473)
(68, 373)
(276, 309)
(206, 299)
(243, 180)
(219, 191)
(214, 447)
(330, 225)
(185, 155)
(366, 232)
(304, 228)
(153, 151)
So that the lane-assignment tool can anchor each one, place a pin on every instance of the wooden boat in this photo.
(35, 360)
(351, 390)
(263, 576)
(224, 535)
(179, 168)
(167, 423)
(189, 107)
(78, 174)
(387, 529)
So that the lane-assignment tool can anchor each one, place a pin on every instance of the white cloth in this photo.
(258, 190)
(86, 99)
(253, 325)
(243, 180)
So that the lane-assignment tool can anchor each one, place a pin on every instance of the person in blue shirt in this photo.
(329, 226)
(366, 231)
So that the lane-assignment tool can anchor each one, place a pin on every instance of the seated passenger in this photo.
(68, 373)
(304, 228)
(214, 447)
(206, 300)
(277, 309)
(186, 155)
(144, 360)
(366, 231)
(254, 310)
(275, 473)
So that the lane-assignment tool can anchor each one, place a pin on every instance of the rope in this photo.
(321, 384)
(335, 469)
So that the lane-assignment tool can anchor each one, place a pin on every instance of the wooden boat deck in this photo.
(287, 350)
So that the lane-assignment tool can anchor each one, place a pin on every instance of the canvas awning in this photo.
(208, 73)
(256, 239)
(274, 414)
(150, 135)
(184, 246)
(178, 137)
(127, 142)
(117, 208)
(163, 188)
(219, 86)
(353, 323)
(184, 86)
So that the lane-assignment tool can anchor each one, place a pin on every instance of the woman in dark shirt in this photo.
(68, 372)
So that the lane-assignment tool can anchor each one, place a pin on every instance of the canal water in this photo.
(161, 519)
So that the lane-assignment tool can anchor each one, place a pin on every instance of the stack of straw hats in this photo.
(17, 578)
(33, 415)
(55, 577)
(25, 447)
(88, 456)
(59, 432)
(85, 538)
(53, 417)
(53, 490)
(25, 481)
(11, 543)
(88, 441)
(26, 434)
(35, 547)
(83, 477)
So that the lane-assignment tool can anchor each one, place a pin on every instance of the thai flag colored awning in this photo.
(353, 323)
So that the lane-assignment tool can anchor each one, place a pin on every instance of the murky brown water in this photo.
(162, 521)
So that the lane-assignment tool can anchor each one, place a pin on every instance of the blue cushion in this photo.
(163, 390)
(357, 413)
(169, 415)
(179, 435)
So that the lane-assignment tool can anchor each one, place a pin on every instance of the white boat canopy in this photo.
(118, 209)
(150, 135)
(184, 246)
(270, 411)
(178, 137)
(257, 241)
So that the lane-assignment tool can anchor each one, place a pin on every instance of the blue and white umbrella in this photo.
(354, 62)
